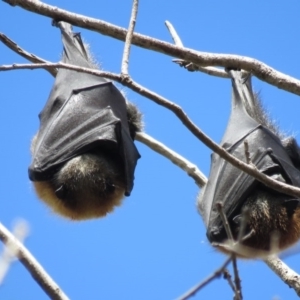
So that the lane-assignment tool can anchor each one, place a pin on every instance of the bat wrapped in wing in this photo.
(268, 213)
(84, 156)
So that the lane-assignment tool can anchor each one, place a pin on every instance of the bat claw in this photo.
(237, 219)
(60, 192)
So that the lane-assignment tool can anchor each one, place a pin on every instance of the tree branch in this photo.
(237, 280)
(290, 277)
(174, 157)
(179, 112)
(256, 67)
(31, 57)
(125, 60)
(176, 39)
(32, 265)
(203, 283)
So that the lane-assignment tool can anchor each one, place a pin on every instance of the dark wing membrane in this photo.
(229, 185)
(83, 112)
(239, 126)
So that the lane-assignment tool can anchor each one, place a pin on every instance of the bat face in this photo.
(260, 218)
(83, 154)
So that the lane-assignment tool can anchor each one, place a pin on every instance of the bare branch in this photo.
(256, 67)
(176, 39)
(31, 57)
(243, 225)
(225, 221)
(125, 60)
(237, 280)
(247, 153)
(290, 277)
(179, 112)
(227, 276)
(203, 283)
(32, 265)
(174, 157)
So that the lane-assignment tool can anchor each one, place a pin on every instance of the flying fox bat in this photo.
(83, 156)
(262, 212)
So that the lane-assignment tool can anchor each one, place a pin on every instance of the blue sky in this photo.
(153, 246)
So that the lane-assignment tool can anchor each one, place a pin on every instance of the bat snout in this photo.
(215, 235)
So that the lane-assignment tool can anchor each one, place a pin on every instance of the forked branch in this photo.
(204, 59)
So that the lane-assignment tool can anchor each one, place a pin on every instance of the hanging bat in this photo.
(260, 218)
(83, 156)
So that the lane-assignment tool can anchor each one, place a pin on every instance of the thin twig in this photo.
(31, 57)
(243, 225)
(33, 266)
(204, 59)
(238, 288)
(247, 153)
(176, 39)
(237, 280)
(225, 221)
(179, 112)
(174, 157)
(206, 281)
(227, 276)
(125, 60)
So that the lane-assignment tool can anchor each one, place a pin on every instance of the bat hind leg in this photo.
(87, 186)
